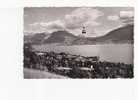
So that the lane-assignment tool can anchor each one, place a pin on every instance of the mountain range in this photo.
(120, 35)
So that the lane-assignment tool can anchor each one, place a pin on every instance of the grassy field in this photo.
(37, 74)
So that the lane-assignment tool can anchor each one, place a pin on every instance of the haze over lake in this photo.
(106, 52)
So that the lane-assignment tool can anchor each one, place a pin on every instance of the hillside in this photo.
(37, 38)
(61, 37)
(121, 35)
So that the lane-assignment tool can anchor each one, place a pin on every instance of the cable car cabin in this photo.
(83, 31)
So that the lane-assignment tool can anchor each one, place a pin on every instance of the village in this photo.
(75, 66)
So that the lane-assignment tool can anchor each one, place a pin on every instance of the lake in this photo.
(106, 52)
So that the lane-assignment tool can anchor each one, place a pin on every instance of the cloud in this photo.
(74, 21)
(57, 24)
(113, 17)
(127, 17)
(49, 26)
(122, 15)
(82, 17)
(127, 14)
(34, 24)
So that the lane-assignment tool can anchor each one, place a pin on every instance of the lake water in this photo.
(106, 52)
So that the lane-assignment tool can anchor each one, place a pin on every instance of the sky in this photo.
(97, 20)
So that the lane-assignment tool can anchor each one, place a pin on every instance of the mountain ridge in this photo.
(120, 35)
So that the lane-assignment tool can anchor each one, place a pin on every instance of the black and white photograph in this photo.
(78, 43)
